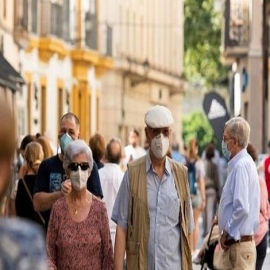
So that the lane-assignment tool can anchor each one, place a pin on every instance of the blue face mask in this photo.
(64, 141)
(226, 153)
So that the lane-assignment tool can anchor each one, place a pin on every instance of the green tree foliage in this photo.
(202, 40)
(196, 125)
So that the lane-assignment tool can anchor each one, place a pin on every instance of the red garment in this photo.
(267, 174)
(264, 213)
(79, 245)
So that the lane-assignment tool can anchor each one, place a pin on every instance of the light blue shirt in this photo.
(239, 206)
(164, 205)
(22, 245)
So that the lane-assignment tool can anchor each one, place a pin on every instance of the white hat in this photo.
(158, 117)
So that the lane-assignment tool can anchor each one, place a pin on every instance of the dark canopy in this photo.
(9, 77)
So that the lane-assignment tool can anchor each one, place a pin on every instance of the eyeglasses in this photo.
(74, 166)
(157, 131)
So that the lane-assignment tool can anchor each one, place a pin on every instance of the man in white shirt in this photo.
(133, 150)
(111, 177)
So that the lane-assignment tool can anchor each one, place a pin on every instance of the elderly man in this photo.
(111, 176)
(153, 208)
(238, 214)
(22, 244)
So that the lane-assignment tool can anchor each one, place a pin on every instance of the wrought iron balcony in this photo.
(235, 32)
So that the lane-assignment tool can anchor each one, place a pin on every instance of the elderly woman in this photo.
(78, 234)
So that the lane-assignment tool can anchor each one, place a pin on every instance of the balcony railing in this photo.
(48, 18)
(236, 27)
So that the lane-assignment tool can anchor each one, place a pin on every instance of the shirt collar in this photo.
(236, 158)
(168, 170)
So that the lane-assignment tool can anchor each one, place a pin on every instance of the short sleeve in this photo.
(120, 208)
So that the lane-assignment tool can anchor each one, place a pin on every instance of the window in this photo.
(57, 18)
(66, 20)
(2, 44)
(24, 19)
(90, 22)
(106, 40)
(34, 16)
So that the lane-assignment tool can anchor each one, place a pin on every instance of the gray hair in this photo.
(240, 129)
(74, 148)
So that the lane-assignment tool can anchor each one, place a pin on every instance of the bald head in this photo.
(113, 152)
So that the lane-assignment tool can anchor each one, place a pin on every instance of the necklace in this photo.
(75, 211)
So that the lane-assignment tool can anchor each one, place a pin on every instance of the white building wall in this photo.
(56, 69)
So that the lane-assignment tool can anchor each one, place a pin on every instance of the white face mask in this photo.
(160, 146)
(79, 179)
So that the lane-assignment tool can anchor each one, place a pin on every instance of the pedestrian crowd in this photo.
(103, 205)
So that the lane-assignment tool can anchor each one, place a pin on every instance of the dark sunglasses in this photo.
(74, 166)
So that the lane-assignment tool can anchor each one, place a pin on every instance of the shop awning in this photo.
(9, 77)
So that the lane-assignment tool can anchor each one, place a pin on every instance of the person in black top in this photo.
(51, 173)
(23, 203)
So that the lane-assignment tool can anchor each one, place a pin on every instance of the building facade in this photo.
(106, 61)
(245, 38)
(10, 80)
(147, 48)
(56, 48)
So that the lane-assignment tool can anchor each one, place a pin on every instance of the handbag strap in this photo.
(31, 198)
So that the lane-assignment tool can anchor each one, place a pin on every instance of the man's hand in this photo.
(66, 187)
(223, 239)
(215, 221)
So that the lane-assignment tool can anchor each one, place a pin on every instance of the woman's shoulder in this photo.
(98, 203)
(60, 203)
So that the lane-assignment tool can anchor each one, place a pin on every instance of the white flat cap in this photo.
(158, 117)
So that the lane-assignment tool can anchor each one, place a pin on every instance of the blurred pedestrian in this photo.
(133, 150)
(78, 234)
(25, 141)
(239, 207)
(152, 228)
(177, 155)
(97, 144)
(51, 174)
(111, 176)
(46, 146)
(216, 156)
(212, 189)
(24, 198)
(196, 174)
(267, 180)
(22, 245)
(22, 172)
(261, 234)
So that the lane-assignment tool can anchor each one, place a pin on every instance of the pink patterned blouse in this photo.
(79, 245)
